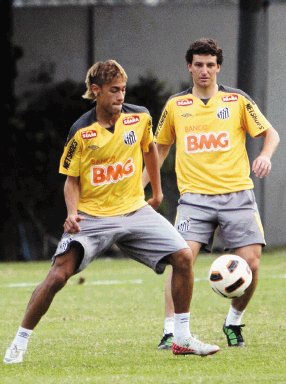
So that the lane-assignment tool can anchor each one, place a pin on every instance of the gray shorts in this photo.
(143, 235)
(235, 214)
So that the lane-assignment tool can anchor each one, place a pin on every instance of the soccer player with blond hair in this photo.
(102, 161)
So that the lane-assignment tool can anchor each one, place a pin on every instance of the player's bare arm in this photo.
(71, 193)
(163, 151)
(261, 166)
(151, 160)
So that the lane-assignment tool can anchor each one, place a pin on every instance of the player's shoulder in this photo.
(182, 94)
(231, 92)
(85, 120)
(132, 108)
(182, 98)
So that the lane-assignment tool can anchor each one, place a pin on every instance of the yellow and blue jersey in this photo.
(211, 156)
(109, 161)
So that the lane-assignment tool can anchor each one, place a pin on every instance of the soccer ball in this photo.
(229, 276)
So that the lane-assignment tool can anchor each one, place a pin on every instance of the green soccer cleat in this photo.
(233, 335)
(166, 342)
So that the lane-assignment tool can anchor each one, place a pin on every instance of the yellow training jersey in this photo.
(109, 162)
(211, 156)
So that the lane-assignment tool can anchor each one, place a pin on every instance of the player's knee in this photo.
(57, 279)
(182, 260)
(254, 265)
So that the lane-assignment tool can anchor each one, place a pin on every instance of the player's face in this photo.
(204, 70)
(110, 97)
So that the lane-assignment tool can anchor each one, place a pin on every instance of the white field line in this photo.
(95, 282)
(106, 282)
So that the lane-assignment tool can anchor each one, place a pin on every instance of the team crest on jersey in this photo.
(89, 134)
(185, 102)
(223, 113)
(207, 142)
(229, 98)
(129, 138)
(131, 120)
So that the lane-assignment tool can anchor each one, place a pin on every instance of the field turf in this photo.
(104, 327)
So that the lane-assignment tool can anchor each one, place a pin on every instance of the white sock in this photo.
(169, 325)
(181, 326)
(22, 337)
(234, 316)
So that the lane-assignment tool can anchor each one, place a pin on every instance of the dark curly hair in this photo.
(204, 46)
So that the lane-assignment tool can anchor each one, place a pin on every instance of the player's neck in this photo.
(205, 93)
(106, 120)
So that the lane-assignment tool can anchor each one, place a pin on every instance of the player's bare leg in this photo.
(56, 279)
(169, 305)
(168, 331)
(40, 302)
(251, 254)
(182, 279)
(182, 288)
(232, 325)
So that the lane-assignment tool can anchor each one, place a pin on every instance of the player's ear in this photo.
(218, 68)
(95, 89)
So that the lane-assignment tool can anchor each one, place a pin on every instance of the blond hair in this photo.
(103, 72)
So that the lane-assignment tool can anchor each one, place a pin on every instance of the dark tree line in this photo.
(34, 200)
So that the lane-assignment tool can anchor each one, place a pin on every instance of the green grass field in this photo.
(107, 329)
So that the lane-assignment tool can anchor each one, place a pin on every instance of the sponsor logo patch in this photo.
(161, 122)
(198, 127)
(185, 102)
(70, 153)
(131, 120)
(229, 98)
(252, 113)
(207, 142)
(111, 173)
(89, 134)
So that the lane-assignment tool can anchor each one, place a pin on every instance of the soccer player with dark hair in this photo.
(104, 196)
(209, 123)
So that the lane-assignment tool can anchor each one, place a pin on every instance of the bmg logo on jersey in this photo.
(112, 173)
(207, 142)
(223, 113)
(129, 138)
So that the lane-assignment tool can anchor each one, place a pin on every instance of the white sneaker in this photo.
(193, 346)
(14, 355)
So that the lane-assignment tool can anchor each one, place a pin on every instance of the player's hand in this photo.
(155, 201)
(261, 166)
(71, 223)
